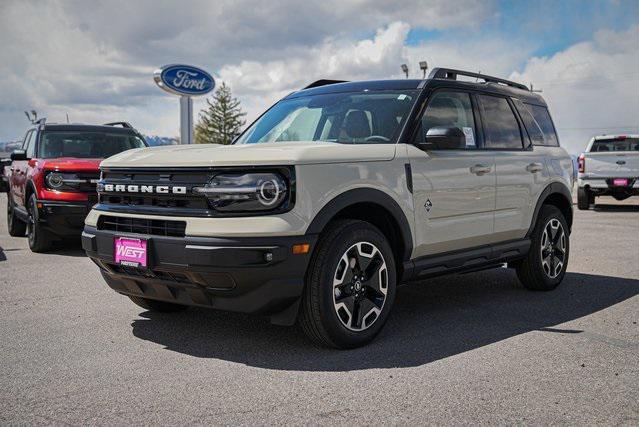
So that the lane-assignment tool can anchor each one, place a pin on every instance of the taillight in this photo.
(582, 163)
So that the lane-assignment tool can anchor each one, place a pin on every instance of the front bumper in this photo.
(250, 275)
(64, 219)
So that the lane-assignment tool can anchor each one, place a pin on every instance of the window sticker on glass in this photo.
(470, 136)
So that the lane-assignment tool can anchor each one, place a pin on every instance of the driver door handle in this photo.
(534, 167)
(480, 169)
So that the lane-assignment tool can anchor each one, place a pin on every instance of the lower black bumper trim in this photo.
(252, 275)
(65, 219)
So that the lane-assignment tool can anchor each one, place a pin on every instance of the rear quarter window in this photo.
(543, 120)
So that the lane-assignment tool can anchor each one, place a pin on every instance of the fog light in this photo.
(268, 257)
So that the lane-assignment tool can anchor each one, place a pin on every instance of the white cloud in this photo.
(591, 87)
(95, 59)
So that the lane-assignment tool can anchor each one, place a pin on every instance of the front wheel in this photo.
(350, 286)
(39, 239)
(545, 265)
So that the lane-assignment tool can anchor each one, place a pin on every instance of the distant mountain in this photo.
(154, 140)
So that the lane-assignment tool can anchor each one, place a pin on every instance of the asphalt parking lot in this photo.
(473, 348)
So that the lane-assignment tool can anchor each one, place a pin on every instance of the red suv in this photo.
(52, 178)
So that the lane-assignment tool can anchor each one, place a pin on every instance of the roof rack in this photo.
(324, 82)
(451, 74)
(123, 124)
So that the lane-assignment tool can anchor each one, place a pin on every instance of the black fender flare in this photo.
(368, 195)
(552, 188)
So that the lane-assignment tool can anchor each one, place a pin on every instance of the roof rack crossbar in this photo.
(324, 82)
(123, 124)
(451, 74)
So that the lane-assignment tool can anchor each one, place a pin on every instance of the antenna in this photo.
(532, 89)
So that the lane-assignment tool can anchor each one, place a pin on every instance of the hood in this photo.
(274, 153)
(70, 164)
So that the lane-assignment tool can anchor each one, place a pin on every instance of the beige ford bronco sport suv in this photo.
(336, 195)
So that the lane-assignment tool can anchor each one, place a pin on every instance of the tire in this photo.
(39, 239)
(16, 227)
(549, 247)
(158, 306)
(584, 199)
(350, 286)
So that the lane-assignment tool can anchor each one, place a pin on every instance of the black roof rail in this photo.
(324, 82)
(451, 74)
(123, 124)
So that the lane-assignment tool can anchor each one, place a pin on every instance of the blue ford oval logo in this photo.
(184, 80)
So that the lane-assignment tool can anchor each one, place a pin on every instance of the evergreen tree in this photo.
(221, 120)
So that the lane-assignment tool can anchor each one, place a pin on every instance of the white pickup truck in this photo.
(609, 167)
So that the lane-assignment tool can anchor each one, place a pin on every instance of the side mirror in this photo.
(446, 138)
(19, 155)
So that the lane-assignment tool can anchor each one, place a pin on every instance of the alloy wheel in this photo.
(553, 248)
(360, 286)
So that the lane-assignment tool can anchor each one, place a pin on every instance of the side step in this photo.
(466, 261)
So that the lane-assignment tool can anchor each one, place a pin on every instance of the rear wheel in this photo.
(584, 199)
(545, 265)
(350, 286)
(39, 239)
(159, 306)
(17, 228)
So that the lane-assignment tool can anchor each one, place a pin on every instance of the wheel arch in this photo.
(29, 189)
(556, 194)
(376, 207)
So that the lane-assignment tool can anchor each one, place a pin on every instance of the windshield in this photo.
(349, 118)
(627, 144)
(86, 145)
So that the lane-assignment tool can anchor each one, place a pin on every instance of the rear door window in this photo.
(501, 128)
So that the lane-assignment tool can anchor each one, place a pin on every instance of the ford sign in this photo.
(184, 80)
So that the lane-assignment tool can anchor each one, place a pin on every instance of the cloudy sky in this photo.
(94, 59)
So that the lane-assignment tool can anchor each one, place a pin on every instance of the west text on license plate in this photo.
(130, 252)
(620, 182)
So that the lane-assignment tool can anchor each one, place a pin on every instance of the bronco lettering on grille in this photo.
(149, 189)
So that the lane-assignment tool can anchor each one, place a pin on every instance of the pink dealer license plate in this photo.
(130, 252)
(620, 182)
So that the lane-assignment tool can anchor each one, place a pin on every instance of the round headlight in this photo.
(245, 192)
(55, 180)
(269, 192)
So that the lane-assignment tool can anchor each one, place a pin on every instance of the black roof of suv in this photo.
(439, 77)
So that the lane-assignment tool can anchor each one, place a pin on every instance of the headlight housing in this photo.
(63, 181)
(247, 192)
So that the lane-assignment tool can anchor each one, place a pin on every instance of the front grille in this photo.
(210, 281)
(155, 274)
(91, 180)
(188, 204)
(152, 227)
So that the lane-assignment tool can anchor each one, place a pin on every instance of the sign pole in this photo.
(186, 120)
